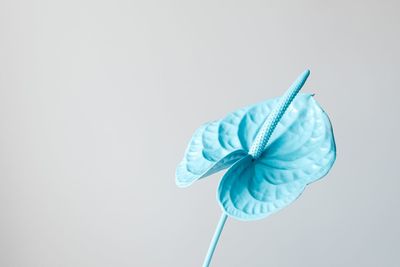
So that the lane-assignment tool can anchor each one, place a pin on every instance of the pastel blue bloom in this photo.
(300, 150)
(273, 150)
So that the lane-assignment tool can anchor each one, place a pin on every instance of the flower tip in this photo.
(306, 73)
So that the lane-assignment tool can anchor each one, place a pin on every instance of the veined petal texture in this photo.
(301, 150)
(219, 144)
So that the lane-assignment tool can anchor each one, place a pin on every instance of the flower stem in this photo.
(215, 239)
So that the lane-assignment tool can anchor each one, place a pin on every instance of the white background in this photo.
(98, 100)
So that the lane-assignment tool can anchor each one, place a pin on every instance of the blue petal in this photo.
(217, 145)
(246, 195)
(299, 153)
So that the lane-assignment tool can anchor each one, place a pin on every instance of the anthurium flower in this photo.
(273, 150)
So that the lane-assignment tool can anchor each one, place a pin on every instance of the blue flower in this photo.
(272, 149)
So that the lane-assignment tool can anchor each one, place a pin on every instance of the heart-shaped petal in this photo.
(218, 144)
(297, 154)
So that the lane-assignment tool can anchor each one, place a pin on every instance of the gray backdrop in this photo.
(98, 100)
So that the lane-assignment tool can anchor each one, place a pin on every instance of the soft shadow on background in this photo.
(98, 100)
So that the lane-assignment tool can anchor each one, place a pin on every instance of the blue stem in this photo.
(215, 239)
